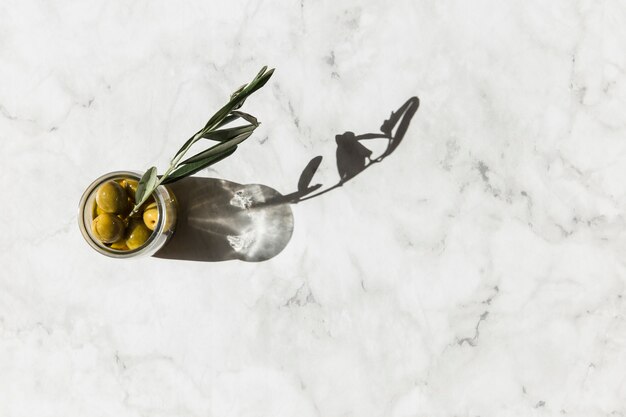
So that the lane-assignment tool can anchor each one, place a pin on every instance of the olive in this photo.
(137, 234)
(107, 228)
(119, 245)
(131, 187)
(112, 198)
(99, 211)
(131, 202)
(151, 216)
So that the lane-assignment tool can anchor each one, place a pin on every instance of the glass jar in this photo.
(166, 224)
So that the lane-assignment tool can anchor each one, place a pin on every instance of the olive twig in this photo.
(228, 140)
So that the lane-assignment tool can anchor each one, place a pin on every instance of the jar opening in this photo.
(165, 203)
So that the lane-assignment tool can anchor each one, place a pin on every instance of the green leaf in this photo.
(234, 115)
(189, 141)
(228, 119)
(234, 95)
(224, 135)
(190, 169)
(261, 72)
(257, 83)
(218, 149)
(247, 117)
(260, 82)
(146, 184)
(237, 91)
(220, 115)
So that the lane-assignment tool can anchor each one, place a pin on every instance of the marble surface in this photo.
(478, 270)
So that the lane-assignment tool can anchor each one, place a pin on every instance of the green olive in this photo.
(131, 187)
(137, 234)
(112, 198)
(119, 245)
(99, 211)
(151, 215)
(107, 228)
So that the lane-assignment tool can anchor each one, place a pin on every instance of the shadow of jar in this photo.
(221, 220)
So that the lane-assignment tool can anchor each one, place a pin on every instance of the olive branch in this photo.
(228, 139)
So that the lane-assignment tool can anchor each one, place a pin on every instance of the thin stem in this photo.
(339, 184)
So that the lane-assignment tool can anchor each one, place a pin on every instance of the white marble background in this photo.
(478, 271)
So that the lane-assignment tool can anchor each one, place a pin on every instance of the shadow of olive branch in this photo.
(211, 228)
(353, 157)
